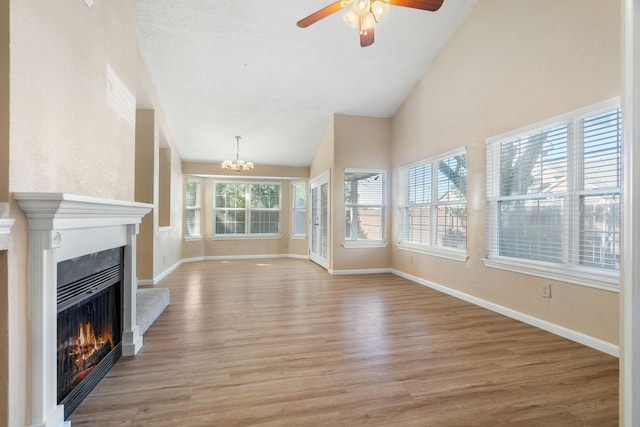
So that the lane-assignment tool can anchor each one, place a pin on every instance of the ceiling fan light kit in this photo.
(364, 14)
(238, 165)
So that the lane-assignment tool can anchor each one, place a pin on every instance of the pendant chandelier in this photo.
(238, 165)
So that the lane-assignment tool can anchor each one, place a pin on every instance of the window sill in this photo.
(164, 228)
(299, 236)
(360, 244)
(439, 251)
(248, 237)
(193, 239)
(591, 277)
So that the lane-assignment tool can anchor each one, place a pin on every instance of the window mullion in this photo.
(575, 176)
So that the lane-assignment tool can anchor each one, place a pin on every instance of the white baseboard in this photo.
(165, 273)
(579, 337)
(195, 259)
(359, 271)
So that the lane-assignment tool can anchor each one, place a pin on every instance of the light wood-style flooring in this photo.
(280, 342)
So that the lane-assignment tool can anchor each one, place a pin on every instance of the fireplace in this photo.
(89, 322)
(63, 230)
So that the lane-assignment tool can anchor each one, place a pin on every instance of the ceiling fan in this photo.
(365, 14)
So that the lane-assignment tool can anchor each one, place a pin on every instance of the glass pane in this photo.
(602, 150)
(363, 223)
(363, 188)
(300, 195)
(452, 178)
(230, 195)
(452, 226)
(192, 222)
(534, 164)
(265, 196)
(420, 184)
(600, 231)
(418, 219)
(230, 221)
(192, 194)
(300, 221)
(531, 229)
(265, 222)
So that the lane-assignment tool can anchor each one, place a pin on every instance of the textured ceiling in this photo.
(223, 68)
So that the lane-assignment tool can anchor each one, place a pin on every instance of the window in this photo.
(364, 207)
(245, 209)
(433, 206)
(554, 198)
(192, 209)
(299, 203)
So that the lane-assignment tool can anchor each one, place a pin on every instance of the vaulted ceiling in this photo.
(223, 68)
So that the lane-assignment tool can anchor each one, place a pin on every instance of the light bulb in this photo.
(379, 9)
(368, 21)
(361, 7)
(351, 19)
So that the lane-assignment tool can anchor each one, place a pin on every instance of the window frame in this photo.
(197, 208)
(431, 247)
(570, 270)
(296, 209)
(247, 210)
(368, 243)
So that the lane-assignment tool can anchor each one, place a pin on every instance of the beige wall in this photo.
(161, 248)
(215, 169)
(65, 134)
(207, 247)
(510, 64)
(145, 167)
(164, 191)
(364, 143)
(4, 196)
(168, 240)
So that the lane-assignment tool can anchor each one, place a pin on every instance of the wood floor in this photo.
(280, 342)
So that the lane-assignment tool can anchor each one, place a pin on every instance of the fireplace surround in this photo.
(61, 227)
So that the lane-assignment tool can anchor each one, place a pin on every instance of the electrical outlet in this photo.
(411, 259)
(164, 259)
(545, 290)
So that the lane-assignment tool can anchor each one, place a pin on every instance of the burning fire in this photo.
(88, 342)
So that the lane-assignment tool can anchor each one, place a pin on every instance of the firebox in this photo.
(89, 305)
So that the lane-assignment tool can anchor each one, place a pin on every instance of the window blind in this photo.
(433, 202)
(554, 192)
(192, 209)
(364, 205)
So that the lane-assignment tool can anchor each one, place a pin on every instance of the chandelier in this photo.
(364, 14)
(238, 165)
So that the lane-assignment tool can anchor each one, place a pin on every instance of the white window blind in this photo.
(192, 209)
(432, 203)
(299, 208)
(364, 205)
(554, 192)
(242, 208)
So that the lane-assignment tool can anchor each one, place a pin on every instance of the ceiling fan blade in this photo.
(430, 5)
(320, 14)
(366, 37)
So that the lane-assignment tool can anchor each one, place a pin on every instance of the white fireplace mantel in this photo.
(64, 226)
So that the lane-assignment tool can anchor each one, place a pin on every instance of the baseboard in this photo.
(359, 271)
(165, 273)
(567, 333)
(195, 259)
(231, 257)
